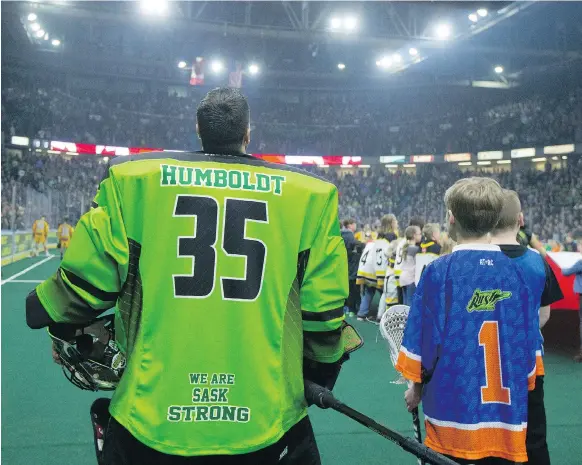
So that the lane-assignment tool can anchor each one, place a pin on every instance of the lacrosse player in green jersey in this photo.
(228, 276)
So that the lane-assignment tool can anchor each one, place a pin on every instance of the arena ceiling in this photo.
(297, 42)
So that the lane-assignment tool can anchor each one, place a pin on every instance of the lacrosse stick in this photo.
(392, 327)
(324, 398)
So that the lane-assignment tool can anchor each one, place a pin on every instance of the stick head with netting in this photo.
(392, 327)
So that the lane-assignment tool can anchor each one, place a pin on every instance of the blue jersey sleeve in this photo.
(419, 349)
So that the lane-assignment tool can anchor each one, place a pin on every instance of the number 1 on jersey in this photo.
(493, 391)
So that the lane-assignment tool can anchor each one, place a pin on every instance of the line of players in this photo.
(385, 262)
(40, 231)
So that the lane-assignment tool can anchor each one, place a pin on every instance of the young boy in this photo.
(547, 291)
(470, 342)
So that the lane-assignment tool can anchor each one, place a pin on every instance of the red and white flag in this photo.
(235, 77)
(197, 75)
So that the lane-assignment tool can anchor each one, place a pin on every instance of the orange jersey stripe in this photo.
(540, 370)
(477, 444)
(409, 367)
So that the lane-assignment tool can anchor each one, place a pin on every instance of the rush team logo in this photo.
(485, 301)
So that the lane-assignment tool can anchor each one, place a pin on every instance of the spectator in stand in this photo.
(570, 245)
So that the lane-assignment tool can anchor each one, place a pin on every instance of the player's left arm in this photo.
(551, 294)
(92, 273)
(323, 291)
(575, 269)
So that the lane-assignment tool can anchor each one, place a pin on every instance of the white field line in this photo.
(35, 281)
(26, 270)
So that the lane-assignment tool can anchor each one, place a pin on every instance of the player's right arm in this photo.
(418, 351)
(90, 277)
(322, 294)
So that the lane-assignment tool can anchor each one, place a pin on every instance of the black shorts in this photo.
(296, 447)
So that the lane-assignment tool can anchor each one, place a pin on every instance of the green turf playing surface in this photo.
(45, 419)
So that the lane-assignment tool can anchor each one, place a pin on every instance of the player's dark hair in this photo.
(223, 119)
(416, 221)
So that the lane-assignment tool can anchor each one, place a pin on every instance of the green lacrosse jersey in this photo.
(225, 271)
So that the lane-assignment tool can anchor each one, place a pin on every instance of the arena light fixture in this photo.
(396, 58)
(254, 69)
(32, 17)
(336, 23)
(40, 33)
(216, 66)
(409, 165)
(484, 163)
(350, 23)
(498, 69)
(412, 52)
(564, 157)
(473, 17)
(46, 36)
(538, 160)
(443, 31)
(154, 7)
(341, 66)
(465, 163)
(56, 42)
(504, 162)
(35, 27)
(182, 64)
(482, 12)
(384, 62)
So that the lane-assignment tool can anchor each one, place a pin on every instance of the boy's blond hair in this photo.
(429, 230)
(476, 204)
(509, 217)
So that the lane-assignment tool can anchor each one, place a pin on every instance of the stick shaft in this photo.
(408, 444)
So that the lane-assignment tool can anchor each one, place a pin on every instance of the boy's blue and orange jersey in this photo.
(541, 279)
(472, 337)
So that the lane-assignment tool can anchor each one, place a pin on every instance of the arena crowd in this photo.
(347, 124)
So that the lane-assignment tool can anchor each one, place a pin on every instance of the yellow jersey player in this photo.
(64, 235)
(40, 229)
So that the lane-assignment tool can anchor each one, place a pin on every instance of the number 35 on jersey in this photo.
(201, 247)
